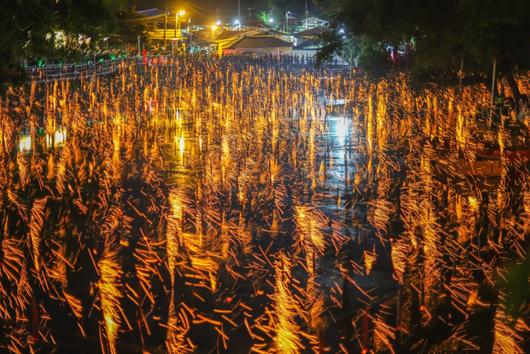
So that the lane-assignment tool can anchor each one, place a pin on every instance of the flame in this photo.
(109, 285)
(209, 197)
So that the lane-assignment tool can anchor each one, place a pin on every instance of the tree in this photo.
(445, 34)
(29, 28)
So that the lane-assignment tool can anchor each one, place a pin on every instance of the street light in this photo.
(239, 14)
(179, 14)
(214, 28)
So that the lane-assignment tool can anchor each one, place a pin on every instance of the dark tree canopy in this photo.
(445, 34)
(28, 27)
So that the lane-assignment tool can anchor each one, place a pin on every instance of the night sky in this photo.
(206, 10)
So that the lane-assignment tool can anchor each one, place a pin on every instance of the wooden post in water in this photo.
(492, 90)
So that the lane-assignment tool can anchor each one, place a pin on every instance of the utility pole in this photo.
(494, 73)
(306, 15)
(176, 23)
(189, 34)
(239, 12)
(165, 25)
(492, 102)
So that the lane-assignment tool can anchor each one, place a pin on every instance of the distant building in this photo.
(202, 40)
(150, 13)
(258, 44)
(311, 33)
(307, 49)
(315, 22)
(160, 26)
(227, 37)
(308, 42)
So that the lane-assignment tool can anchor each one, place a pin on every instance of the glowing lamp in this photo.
(24, 143)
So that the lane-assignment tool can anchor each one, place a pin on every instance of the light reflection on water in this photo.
(207, 206)
(24, 144)
(55, 140)
(226, 185)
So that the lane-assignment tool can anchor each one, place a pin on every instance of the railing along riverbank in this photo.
(72, 71)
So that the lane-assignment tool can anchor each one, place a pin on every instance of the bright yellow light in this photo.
(60, 137)
(214, 27)
(182, 145)
(182, 13)
(25, 143)
(473, 203)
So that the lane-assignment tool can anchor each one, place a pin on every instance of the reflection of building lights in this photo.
(341, 130)
(473, 203)
(181, 145)
(59, 138)
(24, 143)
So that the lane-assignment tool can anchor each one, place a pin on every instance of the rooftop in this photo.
(259, 42)
(227, 34)
(150, 12)
(312, 32)
(310, 44)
